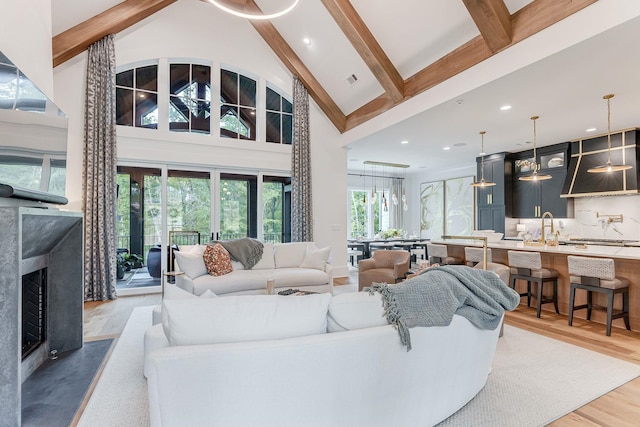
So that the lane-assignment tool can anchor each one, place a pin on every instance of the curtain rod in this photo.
(375, 176)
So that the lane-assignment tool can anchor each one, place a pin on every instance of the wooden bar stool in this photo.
(598, 275)
(528, 266)
(438, 255)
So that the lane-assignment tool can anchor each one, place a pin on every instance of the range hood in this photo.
(588, 153)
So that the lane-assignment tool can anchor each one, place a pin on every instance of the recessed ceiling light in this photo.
(446, 148)
(482, 154)
(505, 107)
(404, 142)
(306, 41)
(591, 130)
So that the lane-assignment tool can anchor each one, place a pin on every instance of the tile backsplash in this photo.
(586, 222)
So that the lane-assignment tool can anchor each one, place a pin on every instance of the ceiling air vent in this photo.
(352, 79)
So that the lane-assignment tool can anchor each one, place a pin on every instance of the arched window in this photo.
(190, 98)
(279, 118)
(137, 97)
(238, 106)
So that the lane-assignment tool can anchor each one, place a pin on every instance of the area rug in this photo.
(534, 381)
(53, 393)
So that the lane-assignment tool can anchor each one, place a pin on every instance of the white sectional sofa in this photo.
(298, 265)
(318, 361)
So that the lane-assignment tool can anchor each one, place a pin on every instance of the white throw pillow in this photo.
(290, 255)
(316, 258)
(244, 318)
(173, 292)
(355, 310)
(191, 263)
(266, 262)
(194, 249)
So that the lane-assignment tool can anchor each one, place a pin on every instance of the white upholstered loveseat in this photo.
(211, 363)
(299, 265)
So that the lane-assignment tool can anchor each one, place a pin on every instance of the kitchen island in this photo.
(627, 263)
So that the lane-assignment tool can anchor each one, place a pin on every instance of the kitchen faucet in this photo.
(553, 241)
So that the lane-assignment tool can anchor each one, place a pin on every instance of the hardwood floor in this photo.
(620, 407)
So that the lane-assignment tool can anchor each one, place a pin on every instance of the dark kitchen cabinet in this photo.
(533, 198)
(494, 203)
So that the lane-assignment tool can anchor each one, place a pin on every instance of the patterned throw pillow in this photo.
(217, 260)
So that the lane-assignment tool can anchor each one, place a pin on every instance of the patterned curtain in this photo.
(301, 206)
(100, 173)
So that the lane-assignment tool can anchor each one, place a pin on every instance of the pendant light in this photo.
(385, 208)
(394, 195)
(482, 183)
(374, 190)
(534, 176)
(261, 16)
(608, 167)
(364, 184)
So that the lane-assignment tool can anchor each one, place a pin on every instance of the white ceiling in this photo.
(564, 89)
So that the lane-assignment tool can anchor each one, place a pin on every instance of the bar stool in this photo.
(528, 266)
(598, 275)
(473, 255)
(438, 255)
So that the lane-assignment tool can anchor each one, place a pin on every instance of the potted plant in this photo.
(134, 260)
(120, 266)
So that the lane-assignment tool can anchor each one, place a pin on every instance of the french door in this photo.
(154, 202)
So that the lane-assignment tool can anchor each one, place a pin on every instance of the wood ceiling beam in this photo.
(529, 20)
(367, 46)
(294, 64)
(493, 20)
(77, 39)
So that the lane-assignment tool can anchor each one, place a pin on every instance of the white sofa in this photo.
(299, 265)
(288, 372)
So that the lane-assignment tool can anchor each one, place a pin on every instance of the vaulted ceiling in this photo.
(394, 50)
(498, 27)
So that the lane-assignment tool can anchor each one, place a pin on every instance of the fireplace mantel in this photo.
(36, 237)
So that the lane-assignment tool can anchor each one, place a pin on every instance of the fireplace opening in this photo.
(34, 287)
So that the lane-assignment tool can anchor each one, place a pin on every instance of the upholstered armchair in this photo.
(385, 266)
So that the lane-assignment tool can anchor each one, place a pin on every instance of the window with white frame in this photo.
(279, 118)
(137, 97)
(238, 106)
(190, 98)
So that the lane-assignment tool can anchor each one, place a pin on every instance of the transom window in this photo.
(238, 106)
(190, 91)
(190, 98)
(137, 97)
(279, 118)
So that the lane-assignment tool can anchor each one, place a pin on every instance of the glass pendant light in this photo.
(364, 184)
(374, 190)
(534, 176)
(482, 183)
(608, 167)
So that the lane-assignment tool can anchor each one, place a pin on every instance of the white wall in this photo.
(25, 38)
(216, 39)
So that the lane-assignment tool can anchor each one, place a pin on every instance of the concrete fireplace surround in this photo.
(35, 236)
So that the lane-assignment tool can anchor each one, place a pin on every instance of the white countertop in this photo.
(591, 250)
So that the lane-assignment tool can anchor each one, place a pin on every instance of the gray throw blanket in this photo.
(432, 298)
(247, 251)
